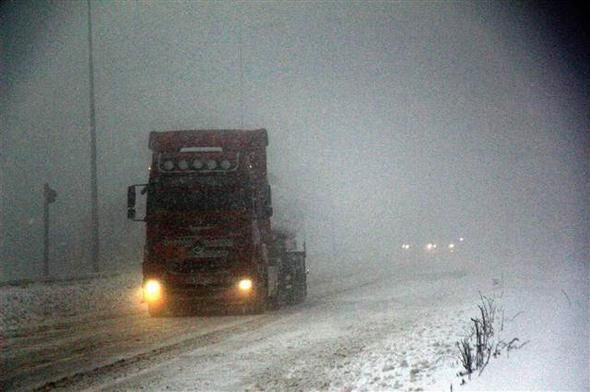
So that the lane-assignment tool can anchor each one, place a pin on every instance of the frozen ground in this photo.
(41, 305)
(550, 307)
(389, 328)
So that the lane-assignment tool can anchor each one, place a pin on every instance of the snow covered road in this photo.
(388, 328)
(339, 318)
(316, 346)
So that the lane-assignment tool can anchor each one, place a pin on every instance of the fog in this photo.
(388, 122)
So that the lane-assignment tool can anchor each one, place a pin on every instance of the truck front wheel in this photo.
(156, 309)
(259, 302)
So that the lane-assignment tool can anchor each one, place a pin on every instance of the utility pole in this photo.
(93, 175)
(241, 75)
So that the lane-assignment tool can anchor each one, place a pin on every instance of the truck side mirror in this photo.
(131, 202)
(268, 211)
(131, 196)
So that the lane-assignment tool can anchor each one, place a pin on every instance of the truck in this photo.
(208, 234)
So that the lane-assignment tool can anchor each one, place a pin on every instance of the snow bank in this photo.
(545, 305)
(34, 305)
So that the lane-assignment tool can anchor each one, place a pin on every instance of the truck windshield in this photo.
(187, 199)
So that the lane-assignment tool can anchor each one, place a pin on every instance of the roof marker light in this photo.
(225, 164)
(168, 165)
(197, 164)
(183, 164)
(211, 164)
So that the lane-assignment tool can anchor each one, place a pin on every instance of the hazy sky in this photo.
(388, 121)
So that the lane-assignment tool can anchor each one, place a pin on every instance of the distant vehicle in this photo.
(208, 225)
(434, 247)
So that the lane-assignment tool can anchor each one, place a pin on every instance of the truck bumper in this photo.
(204, 289)
(210, 296)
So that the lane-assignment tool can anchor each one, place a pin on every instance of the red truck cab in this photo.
(208, 228)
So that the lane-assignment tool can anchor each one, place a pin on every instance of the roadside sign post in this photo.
(49, 196)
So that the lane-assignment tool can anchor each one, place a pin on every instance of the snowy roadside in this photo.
(547, 310)
(409, 346)
(545, 307)
(38, 305)
(43, 304)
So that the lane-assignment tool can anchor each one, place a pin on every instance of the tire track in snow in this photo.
(143, 359)
(297, 351)
(60, 349)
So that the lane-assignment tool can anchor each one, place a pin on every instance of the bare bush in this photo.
(466, 355)
(482, 343)
(484, 332)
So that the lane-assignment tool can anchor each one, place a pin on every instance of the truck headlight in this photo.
(245, 284)
(152, 290)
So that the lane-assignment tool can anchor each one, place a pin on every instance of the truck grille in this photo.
(198, 265)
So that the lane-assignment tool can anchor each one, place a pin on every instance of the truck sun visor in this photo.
(201, 149)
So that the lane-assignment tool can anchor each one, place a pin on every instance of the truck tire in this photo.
(274, 303)
(156, 310)
(298, 292)
(258, 306)
(301, 291)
